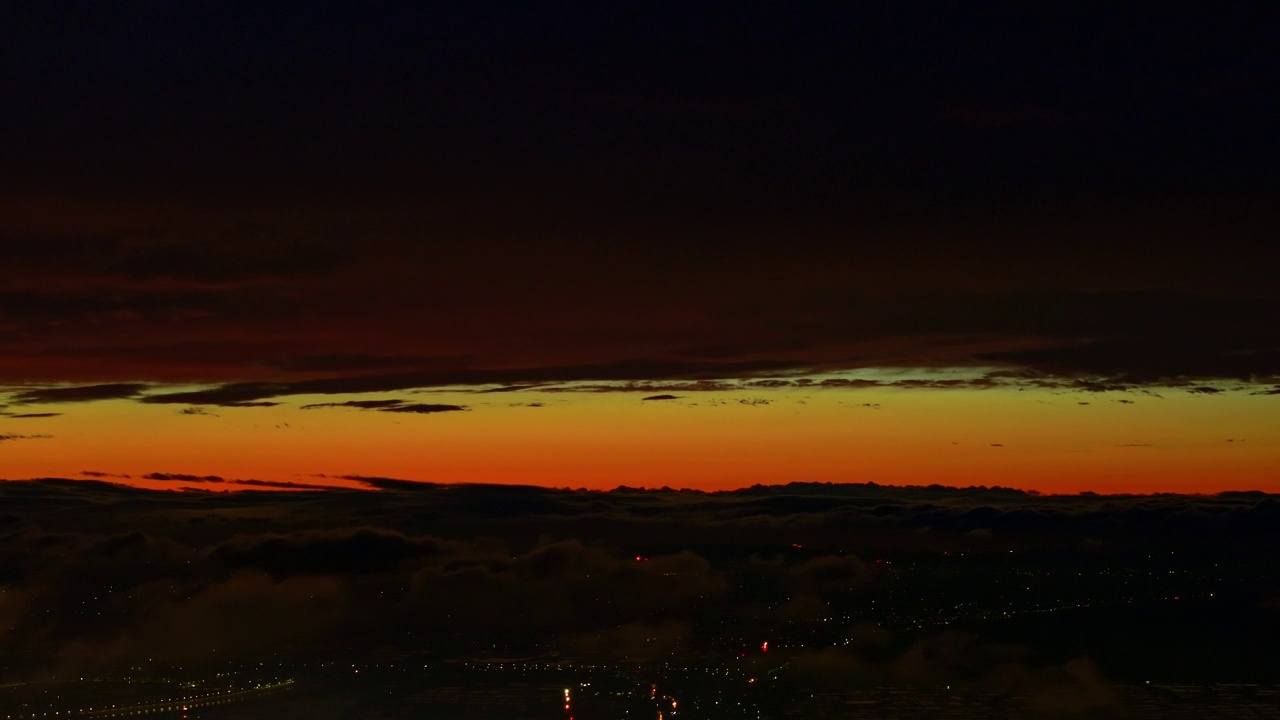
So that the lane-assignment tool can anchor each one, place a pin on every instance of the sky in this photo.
(644, 244)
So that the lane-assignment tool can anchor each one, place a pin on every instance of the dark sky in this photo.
(234, 191)
(762, 109)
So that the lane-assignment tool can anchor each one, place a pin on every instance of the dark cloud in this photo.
(1099, 340)
(278, 484)
(181, 477)
(246, 613)
(355, 550)
(345, 362)
(361, 404)
(645, 574)
(1049, 313)
(251, 403)
(509, 388)
(849, 383)
(393, 406)
(8, 437)
(1150, 361)
(81, 393)
(661, 397)
(649, 386)
(830, 574)
(1115, 339)
(214, 480)
(1070, 689)
(627, 370)
(425, 408)
(382, 483)
(34, 415)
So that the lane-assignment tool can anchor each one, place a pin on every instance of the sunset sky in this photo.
(659, 244)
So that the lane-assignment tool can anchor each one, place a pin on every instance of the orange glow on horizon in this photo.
(1032, 439)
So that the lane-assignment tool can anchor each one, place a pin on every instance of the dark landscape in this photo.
(803, 600)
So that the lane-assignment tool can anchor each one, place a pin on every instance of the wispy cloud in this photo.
(624, 371)
(10, 437)
(181, 477)
(393, 406)
(425, 408)
(358, 404)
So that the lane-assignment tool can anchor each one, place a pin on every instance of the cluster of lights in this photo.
(172, 704)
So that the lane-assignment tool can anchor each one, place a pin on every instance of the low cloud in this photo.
(393, 406)
(245, 614)
(251, 403)
(382, 483)
(181, 477)
(359, 404)
(10, 437)
(279, 484)
(320, 552)
(628, 573)
(622, 371)
(425, 408)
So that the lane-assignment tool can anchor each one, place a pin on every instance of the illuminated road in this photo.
(169, 705)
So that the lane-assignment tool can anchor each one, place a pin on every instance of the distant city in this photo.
(931, 603)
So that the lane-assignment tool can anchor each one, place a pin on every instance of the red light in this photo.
(764, 646)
